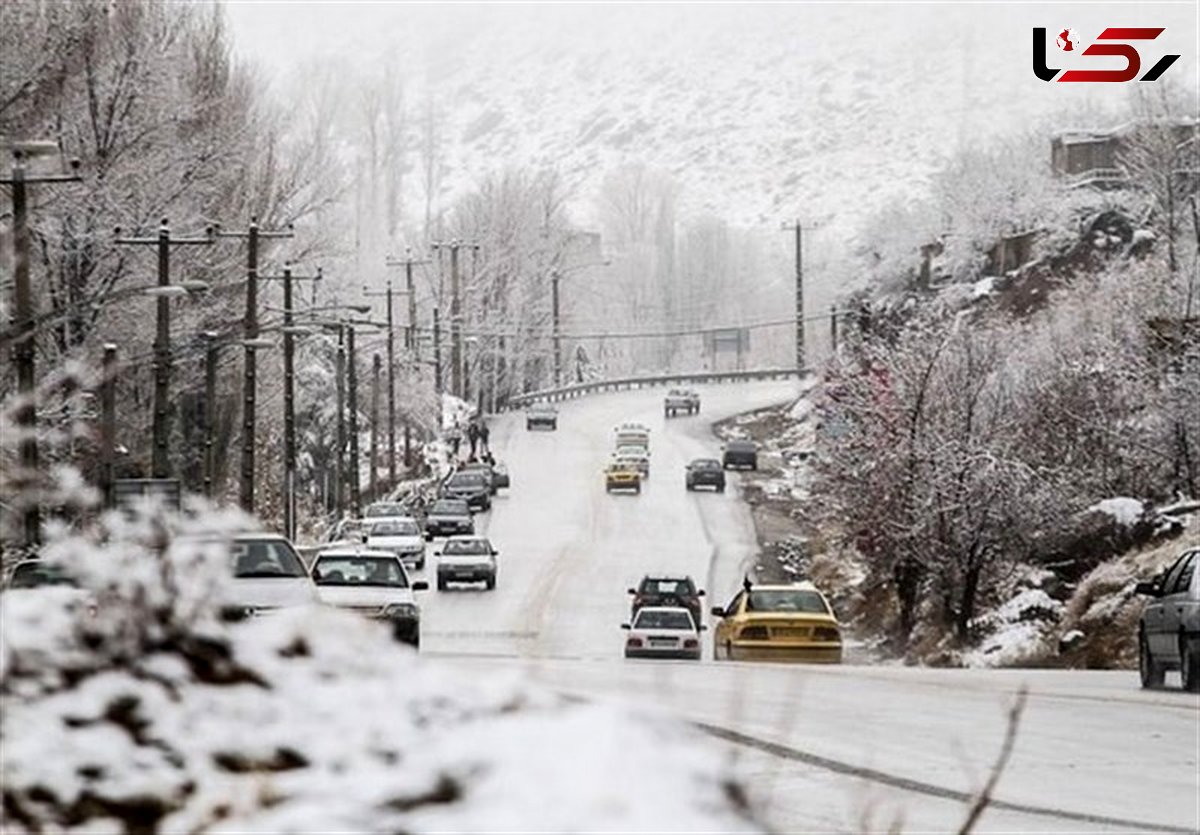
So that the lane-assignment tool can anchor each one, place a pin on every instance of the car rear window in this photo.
(265, 558)
(647, 619)
(30, 575)
(450, 508)
(395, 527)
(668, 586)
(389, 509)
(786, 600)
(741, 446)
(472, 547)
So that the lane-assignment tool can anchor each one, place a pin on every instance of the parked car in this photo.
(474, 487)
(662, 632)
(400, 536)
(681, 400)
(466, 559)
(449, 517)
(777, 623)
(739, 455)
(667, 590)
(541, 415)
(372, 583)
(621, 475)
(267, 575)
(705, 472)
(1169, 631)
(496, 473)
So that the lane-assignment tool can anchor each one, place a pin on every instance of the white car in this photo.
(466, 559)
(663, 632)
(267, 575)
(372, 583)
(633, 436)
(385, 510)
(402, 536)
(634, 456)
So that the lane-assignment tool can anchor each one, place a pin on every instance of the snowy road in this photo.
(825, 749)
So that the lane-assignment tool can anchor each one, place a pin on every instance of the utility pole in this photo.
(554, 279)
(289, 392)
(352, 386)
(833, 330)
(160, 461)
(410, 344)
(437, 353)
(108, 420)
(456, 348)
(798, 228)
(340, 464)
(211, 352)
(249, 369)
(376, 362)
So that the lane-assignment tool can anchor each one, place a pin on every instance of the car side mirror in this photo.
(437, 552)
(364, 539)
(700, 593)
(495, 553)
(626, 626)
(703, 627)
(420, 585)
(717, 611)
(631, 591)
(1147, 587)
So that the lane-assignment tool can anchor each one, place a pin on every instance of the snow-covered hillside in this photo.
(760, 113)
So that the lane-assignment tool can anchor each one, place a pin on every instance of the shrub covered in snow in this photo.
(130, 706)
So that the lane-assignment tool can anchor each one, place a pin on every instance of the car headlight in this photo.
(401, 610)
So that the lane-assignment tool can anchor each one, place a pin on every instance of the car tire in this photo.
(721, 487)
(491, 583)
(1189, 667)
(421, 564)
(638, 490)
(1151, 672)
(724, 465)
(441, 584)
(688, 485)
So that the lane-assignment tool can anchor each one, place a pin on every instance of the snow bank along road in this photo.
(824, 748)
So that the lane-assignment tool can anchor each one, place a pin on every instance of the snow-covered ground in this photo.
(1095, 753)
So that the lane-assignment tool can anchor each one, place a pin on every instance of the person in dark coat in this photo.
(484, 434)
(473, 437)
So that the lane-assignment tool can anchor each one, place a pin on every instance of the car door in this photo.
(724, 631)
(1172, 602)
(1158, 634)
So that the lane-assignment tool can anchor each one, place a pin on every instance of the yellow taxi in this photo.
(791, 622)
(622, 475)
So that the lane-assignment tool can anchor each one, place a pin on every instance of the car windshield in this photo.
(30, 575)
(741, 446)
(786, 600)
(469, 479)
(650, 619)
(333, 570)
(395, 527)
(472, 547)
(541, 410)
(384, 509)
(668, 586)
(265, 558)
(706, 464)
(450, 508)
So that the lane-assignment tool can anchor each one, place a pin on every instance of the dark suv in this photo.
(665, 590)
(705, 472)
(1169, 633)
(472, 486)
(740, 454)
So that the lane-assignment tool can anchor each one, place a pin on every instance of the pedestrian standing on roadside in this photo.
(473, 436)
(484, 435)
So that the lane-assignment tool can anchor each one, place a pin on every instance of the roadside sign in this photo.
(127, 493)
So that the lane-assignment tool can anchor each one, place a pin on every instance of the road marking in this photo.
(919, 787)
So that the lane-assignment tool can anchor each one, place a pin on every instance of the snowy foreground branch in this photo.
(130, 706)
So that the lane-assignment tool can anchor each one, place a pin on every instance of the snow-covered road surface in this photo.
(826, 749)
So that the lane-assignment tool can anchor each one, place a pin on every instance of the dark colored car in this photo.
(496, 473)
(541, 414)
(705, 472)
(1169, 632)
(665, 590)
(472, 486)
(739, 455)
(449, 517)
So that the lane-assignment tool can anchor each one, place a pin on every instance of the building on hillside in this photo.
(1093, 157)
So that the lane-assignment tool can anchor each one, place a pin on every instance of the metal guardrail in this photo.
(570, 392)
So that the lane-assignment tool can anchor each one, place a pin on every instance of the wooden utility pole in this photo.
(798, 228)
(252, 235)
(160, 457)
(108, 421)
(456, 314)
(376, 362)
(409, 343)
